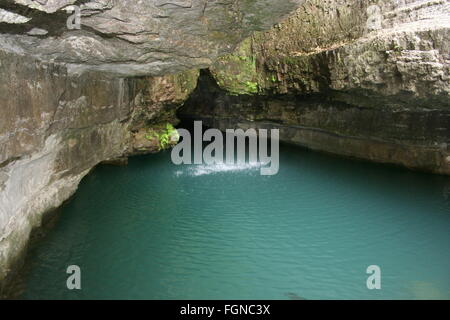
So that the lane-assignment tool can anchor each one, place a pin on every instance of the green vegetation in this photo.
(252, 87)
(166, 135)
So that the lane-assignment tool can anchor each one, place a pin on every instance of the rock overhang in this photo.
(134, 38)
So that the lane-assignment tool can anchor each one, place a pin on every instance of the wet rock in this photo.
(56, 127)
(372, 82)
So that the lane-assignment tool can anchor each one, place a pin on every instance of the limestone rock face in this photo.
(367, 79)
(56, 127)
(153, 37)
(387, 47)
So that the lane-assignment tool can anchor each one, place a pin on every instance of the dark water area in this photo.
(154, 230)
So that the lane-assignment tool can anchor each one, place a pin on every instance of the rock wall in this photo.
(366, 79)
(56, 127)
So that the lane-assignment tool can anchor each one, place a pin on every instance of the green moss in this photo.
(187, 81)
(252, 87)
(165, 135)
(237, 73)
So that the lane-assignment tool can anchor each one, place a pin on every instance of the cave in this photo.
(96, 96)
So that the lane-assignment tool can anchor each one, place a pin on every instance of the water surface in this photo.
(153, 230)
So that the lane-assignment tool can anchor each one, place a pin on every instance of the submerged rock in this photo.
(294, 296)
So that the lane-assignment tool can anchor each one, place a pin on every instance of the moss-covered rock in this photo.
(346, 86)
(155, 138)
(237, 72)
(302, 55)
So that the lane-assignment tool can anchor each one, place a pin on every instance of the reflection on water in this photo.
(159, 231)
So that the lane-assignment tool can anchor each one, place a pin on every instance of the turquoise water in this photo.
(153, 230)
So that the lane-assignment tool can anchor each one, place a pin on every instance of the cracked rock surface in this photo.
(134, 37)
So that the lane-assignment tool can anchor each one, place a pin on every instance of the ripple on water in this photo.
(159, 231)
